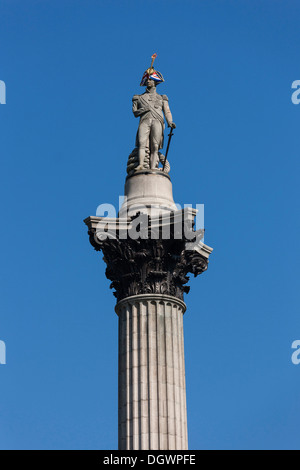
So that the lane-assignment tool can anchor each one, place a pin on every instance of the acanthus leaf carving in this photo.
(148, 266)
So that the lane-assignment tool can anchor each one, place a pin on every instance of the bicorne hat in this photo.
(152, 74)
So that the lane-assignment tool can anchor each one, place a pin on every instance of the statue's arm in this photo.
(136, 109)
(167, 112)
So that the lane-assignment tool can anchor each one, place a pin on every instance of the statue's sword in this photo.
(167, 151)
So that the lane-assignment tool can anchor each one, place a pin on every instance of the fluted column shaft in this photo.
(152, 392)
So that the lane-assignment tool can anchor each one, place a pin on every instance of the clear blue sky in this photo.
(71, 68)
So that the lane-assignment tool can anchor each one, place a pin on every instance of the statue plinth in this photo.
(149, 191)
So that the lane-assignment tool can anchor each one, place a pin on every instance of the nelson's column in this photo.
(149, 251)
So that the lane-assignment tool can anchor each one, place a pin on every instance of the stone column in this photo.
(149, 273)
(152, 396)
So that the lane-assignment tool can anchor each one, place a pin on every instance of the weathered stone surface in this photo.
(152, 397)
(145, 190)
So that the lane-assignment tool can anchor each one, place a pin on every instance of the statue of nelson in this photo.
(151, 108)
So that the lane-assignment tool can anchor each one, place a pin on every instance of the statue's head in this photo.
(151, 75)
(150, 83)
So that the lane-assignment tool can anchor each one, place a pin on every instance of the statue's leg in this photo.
(143, 140)
(155, 139)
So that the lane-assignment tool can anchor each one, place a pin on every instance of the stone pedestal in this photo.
(148, 191)
(152, 396)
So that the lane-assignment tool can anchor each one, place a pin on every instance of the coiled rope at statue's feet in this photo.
(133, 162)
